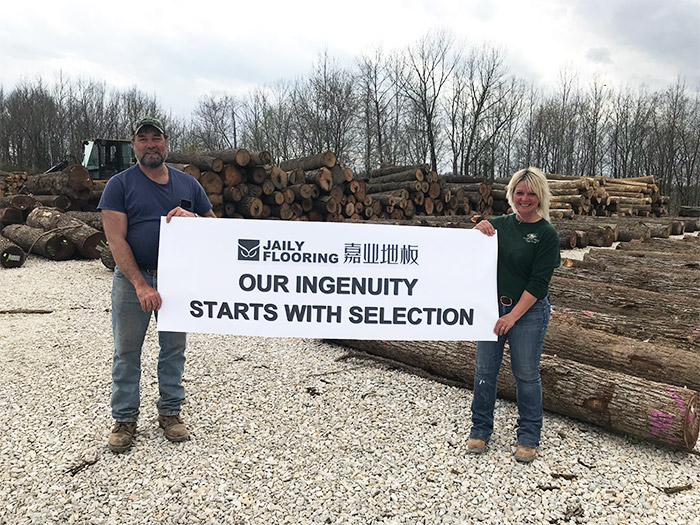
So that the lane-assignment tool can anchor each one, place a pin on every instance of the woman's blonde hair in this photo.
(537, 183)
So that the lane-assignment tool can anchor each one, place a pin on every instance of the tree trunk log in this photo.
(11, 216)
(74, 181)
(321, 177)
(681, 282)
(211, 182)
(689, 244)
(314, 162)
(390, 170)
(620, 402)
(250, 207)
(91, 218)
(402, 176)
(19, 202)
(61, 202)
(238, 156)
(203, 162)
(54, 246)
(568, 339)
(659, 261)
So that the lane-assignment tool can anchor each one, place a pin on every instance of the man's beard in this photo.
(152, 159)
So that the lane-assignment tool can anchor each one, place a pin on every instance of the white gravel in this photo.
(284, 431)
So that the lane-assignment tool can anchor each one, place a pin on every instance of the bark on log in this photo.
(61, 202)
(313, 162)
(689, 244)
(681, 282)
(54, 245)
(238, 156)
(621, 310)
(402, 176)
(660, 261)
(74, 181)
(91, 218)
(203, 162)
(390, 170)
(107, 257)
(321, 177)
(11, 254)
(646, 409)
(568, 339)
(260, 158)
(11, 216)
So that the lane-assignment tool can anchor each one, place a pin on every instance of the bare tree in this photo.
(429, 65)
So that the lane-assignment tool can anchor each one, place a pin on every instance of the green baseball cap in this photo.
(149, 121)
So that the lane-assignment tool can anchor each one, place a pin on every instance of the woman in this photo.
(528, 253)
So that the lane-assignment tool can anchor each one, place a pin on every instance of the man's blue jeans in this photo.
(129, 325)
(525, 340)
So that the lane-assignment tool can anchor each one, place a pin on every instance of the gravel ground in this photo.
(284, 431)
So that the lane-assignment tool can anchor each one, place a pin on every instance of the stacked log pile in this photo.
(598, 196)
(242, 184)
(623, 346)
(11, 183)
(408, 191)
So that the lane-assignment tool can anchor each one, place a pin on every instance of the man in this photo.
(132, 205)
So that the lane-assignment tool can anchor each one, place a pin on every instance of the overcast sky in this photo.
(179, 50)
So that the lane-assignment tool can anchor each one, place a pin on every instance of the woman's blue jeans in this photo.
(129, 325)
(525, 340)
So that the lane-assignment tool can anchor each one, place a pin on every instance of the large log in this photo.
(321, 177)
(567, 338)
(73, 181)
(655, 309)
(52, 245)
(85, 238)
(203, 162)
(408, 175)
(11, 255)
(689, 244)
(211, 182)
(389, 170)
(11, 216)
(313, 162)
(19, 202)
(61, 202)
(635, 274)
(659, 261)
(638, 407)
(238, 156)
(91, 218)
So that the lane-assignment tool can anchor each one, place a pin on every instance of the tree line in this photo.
(438, 101)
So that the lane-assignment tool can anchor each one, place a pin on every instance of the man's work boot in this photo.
(524, 454)
(175, 429)
(476, 446)
(122, 437)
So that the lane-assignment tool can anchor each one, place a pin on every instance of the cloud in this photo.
(666, 31)
(599, 55)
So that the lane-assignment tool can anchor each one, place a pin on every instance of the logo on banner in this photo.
(248, 250)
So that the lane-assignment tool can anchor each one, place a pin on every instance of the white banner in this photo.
(326, 280)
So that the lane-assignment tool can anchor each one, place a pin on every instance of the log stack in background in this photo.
(407, 191)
